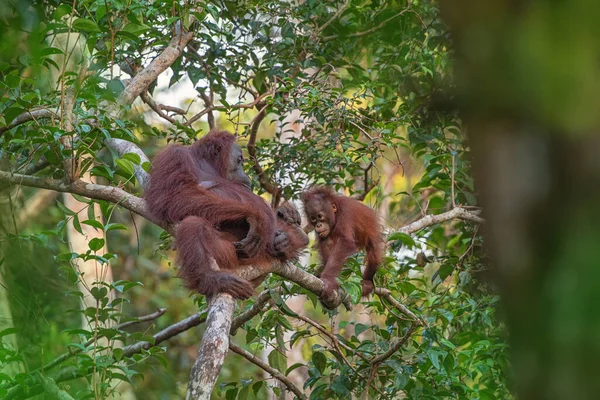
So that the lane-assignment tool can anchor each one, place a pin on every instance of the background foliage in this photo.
(354, 94)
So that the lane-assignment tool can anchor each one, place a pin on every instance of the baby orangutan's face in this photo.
(321, 214)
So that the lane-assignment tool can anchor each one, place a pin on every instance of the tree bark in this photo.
(213, 348)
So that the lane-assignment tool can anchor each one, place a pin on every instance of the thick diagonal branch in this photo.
(142, 81)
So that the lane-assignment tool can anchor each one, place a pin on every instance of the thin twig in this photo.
(66, 356)
(333, 18)
(387, 294)
(270, 187)
(368, 31)
(334, 340)
(28, 116)
(251, 312)
(452, 182)
(272, 371)
(145, 96)
(394, 347)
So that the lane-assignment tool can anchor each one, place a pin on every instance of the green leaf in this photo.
(259, 80)
(319, 360)
(99, 292)
(317, 393)
(125, 165)
(280, 303)
(434, 357)
(360, 328)
(8, 331)
(257, 386)
(114, 227)
(81, 198)
(134, 158)
(85, 25)
(61, 11)
(136, 29)
(293, 367)
(94, 223)
(51, 50)
(340, 385)
(76, 224)
(243, 395)
(400, 381)
(64, 209)
(354, 290)
(96, 244)
(403, 237)
(103, 171)
(277, 360)
(231, 394)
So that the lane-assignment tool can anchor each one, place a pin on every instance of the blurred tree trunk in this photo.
(527, 74)
(6, 321)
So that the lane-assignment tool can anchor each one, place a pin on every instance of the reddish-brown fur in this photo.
(213, 216)
(352, 226)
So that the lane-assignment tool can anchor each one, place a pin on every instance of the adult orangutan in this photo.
(343, 227)
(204, 188)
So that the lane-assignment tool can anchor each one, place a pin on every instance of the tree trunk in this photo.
(213, 348)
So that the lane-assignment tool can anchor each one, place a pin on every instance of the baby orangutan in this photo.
(343, 227)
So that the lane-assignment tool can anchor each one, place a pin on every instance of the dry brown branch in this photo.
(266, 367)
(146, 98)
(167, 333)
(208, 102)
(175, 110)
(266, 184)
(211, 108)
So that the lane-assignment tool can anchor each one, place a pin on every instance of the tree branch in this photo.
(142, 81)
(146, 98)
(266, 367)
(66, 356)
(251, 312)
(386, 294)
(311, 283)
(90, 190)
(368, 31)
(428, 220)
(270, 187)
(333, 18)
(334, 340)
(213, 347)
(123, 147)
(28, 116)
(395, 347)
